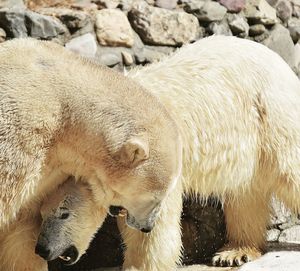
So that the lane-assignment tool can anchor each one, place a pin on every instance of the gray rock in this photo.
(256, 29)
(113, 28)
(294, 28)
(20, 23)
(284, 10)
(297, 70)
(163, 27)
(150, 54)
(107, 3)
(219, 28)
(12, 3)
(272, 235)
(127, 5)
(74, 19)
(281, 214)
(168, 4)
(296, 8)
(259, 11)
(233, 5)
(272, 2)
(44, 27)
(84, 45)
(206, 11)
(13, 22)
(2, 35)
(109, 60)
(275, 261)
(281, 42)
(127, 58)
(238, 25)
(290, 235)
(262, 37)
(192, 5)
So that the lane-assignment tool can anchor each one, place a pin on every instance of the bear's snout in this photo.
(42, 251)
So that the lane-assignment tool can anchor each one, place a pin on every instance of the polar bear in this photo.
(61, 115)
(69, 214)
(237, 105)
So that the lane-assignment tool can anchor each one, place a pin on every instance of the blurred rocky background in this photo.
(124, 33)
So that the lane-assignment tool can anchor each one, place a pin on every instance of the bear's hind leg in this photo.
(246, 220)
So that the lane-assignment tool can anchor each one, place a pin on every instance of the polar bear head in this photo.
(69, 221)
(148, 170)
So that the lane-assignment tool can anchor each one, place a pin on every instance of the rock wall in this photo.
(125, 33)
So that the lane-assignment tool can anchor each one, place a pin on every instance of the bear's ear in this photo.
(134, 151)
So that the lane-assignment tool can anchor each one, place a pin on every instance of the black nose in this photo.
(42, 251)
(146, 230)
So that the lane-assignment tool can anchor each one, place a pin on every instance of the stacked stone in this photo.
(285, 226)
(120, 33)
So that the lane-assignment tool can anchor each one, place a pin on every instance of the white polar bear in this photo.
(237, 105)
(61, 115)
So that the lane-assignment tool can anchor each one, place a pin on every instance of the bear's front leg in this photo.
(17, 247)
(160, 249)
(246, 222)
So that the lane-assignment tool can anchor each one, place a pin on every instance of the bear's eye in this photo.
(64, 216)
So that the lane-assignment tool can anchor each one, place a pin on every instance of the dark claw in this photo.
(216, 263)
(245, 258)
(236, 262)
(228, 263)
(224, 263)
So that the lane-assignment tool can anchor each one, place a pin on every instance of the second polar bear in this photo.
(237, 104)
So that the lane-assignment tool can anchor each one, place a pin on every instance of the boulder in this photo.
(167, 4)
(75, 20)
(294, 28)
(219, 28)
(259, 11)
(107, 3)
(233, 5)
(158, 26)
(12, 3)
(2, 35)
(20, 23)
(273, 235)
(127, 58)
(84, 45)
(281, 42)
(256, 29)
(238, 25)
(207, 11)
(284, 10)
(290, 235)
(113, 28)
